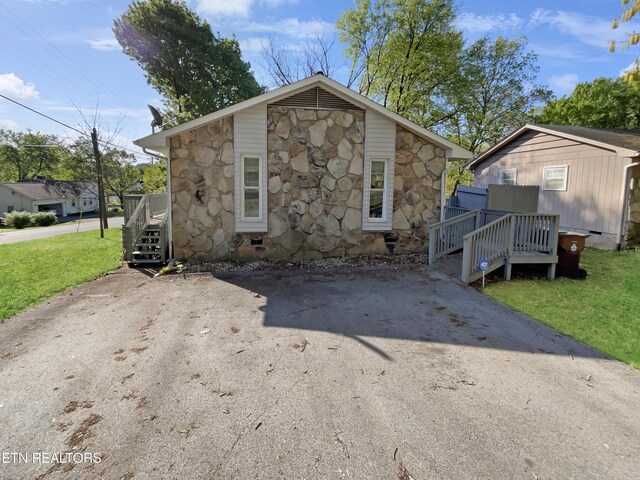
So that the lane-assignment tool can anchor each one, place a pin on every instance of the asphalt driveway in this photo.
(391, 373)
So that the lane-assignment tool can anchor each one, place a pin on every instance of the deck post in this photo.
(432, 246)
(466, 260)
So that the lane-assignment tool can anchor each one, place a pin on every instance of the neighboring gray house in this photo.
(308, 170)
(589, 176)
(63, 197)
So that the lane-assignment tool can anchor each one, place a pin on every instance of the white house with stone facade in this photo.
(309, 170)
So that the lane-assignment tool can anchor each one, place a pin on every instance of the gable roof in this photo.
(49, 189)
(626, 143)
(158, 141)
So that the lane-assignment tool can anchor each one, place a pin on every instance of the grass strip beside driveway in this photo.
(33, 271)
(601, 311)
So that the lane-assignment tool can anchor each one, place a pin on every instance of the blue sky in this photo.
(59, 56)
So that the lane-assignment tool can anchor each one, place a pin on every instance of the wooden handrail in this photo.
(447, 236)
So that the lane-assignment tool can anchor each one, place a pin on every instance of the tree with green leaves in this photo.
(630, 8)
(494, 94)
(119, 172)
(27, 155)
(405, 54)
(196, 71)
(603, 103)
(154, 177)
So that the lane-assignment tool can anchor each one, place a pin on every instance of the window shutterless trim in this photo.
(244, 188)
(385, 222)
(501, 179)
(565, 179)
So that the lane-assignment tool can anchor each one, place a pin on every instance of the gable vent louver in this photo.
(316, 98)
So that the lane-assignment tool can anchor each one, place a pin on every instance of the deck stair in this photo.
(502, 238)
(145, 235)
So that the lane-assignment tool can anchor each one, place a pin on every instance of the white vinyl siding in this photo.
(554, 178)
(508, 176)
(250, 141)
(380, 145)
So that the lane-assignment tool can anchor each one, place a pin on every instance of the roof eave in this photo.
(159, 140)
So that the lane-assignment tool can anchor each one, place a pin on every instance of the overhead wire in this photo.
(103, 142)
(61, 55)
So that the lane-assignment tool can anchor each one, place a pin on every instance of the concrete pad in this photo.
(357, 373)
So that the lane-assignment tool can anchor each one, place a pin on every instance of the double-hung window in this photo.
(378, 194)
(555, 178)
(251, 194)
(507, 176)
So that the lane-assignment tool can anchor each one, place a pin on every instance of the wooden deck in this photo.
(512, 238)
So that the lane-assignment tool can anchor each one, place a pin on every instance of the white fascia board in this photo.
(453, 150)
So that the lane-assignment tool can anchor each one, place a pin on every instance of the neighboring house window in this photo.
(507, 176)
(377, 193)
(10, 208)
(73, 203)
(84, 202)
(251, 188)
(90, 201)
(555, 178)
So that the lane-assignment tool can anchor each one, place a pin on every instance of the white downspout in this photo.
(625, 202)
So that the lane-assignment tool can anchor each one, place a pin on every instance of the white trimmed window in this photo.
(555, 178)
(378, 195)
(251, 195)
(508, 176)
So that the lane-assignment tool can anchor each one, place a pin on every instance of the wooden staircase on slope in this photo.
(145, 234)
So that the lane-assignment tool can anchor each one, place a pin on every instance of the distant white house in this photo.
(62, 197)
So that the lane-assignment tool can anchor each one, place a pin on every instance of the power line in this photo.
(104, 142)
(51, 48)
(44, 115)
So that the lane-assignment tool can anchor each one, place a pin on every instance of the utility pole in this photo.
(101, 206)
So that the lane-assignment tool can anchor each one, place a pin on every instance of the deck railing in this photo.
(503, 240)
(148, 206)
(129, 204)
(490, 242)
(450, 212)
(447, 236)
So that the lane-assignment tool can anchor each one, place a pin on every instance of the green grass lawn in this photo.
(33, 271)
(602, 311)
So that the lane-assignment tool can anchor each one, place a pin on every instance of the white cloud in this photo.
(104, 44)
(562, 51)
(593, 31)
(226, 8)
(13, 86)
(472, 23)
(237, 8)
(291, 27)
(9, 124)
(253, 45)
(563, 84)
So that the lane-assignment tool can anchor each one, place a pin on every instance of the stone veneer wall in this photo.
(633, 227)
(202, 192)
(315, 164)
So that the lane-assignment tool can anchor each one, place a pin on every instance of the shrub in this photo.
(44, 219)
(17, 219)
